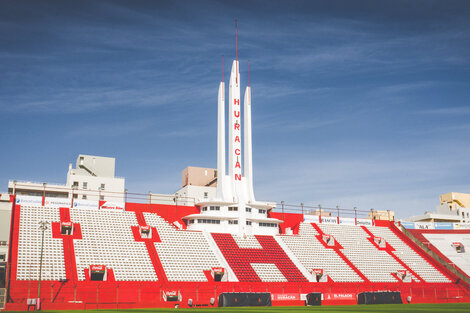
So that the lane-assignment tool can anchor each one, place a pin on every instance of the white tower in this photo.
(234, 209)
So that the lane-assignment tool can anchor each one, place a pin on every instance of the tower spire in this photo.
(222, 68)
(236, 49)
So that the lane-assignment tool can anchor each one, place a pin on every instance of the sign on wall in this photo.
(329, 220)
(112, 206)
(364, 222)
(85, 204)
(443, 225)
(29, 200)
(311, 218)
(57, 202)
(424, 225)
(237, 135)
(347, 221)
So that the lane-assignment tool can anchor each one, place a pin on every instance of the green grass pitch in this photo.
(379, 308)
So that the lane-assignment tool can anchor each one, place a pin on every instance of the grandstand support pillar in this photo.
(302, 205)
(43, 227)
(75, 292)
(197, 293)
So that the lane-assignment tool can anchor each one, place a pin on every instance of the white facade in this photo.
(191, 194)
(5, 218)
(92, 179)
(443, 214)
(233, 208)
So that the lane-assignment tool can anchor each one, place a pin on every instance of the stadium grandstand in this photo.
(91, 244)
(143, 255)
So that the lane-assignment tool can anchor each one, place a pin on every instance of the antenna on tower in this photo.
(222, 68)
(236, 49)
(236, 40)
(248, 73)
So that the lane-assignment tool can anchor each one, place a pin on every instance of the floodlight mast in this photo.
(43, 228)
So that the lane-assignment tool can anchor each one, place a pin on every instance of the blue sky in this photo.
(355, 103)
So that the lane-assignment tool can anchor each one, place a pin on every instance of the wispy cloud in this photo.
(461, 110)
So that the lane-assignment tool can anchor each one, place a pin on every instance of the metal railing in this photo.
(175, 199)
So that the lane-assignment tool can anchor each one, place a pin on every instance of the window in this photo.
(191, 221)
(102, 198)
(102, 186)
(206, 194)
(204, 208)
(233, 222)
(75, 196)
(206, 221)
(268, 224)
(2, 257)
(248, 222)
(248, 209)
(81, 160)
(262, 211)
(75, 184)
(233, 208)
(85, 185)
(215, 208)
(84, 197)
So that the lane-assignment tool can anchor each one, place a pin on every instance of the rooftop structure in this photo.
(454, 208)
(199, 176)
